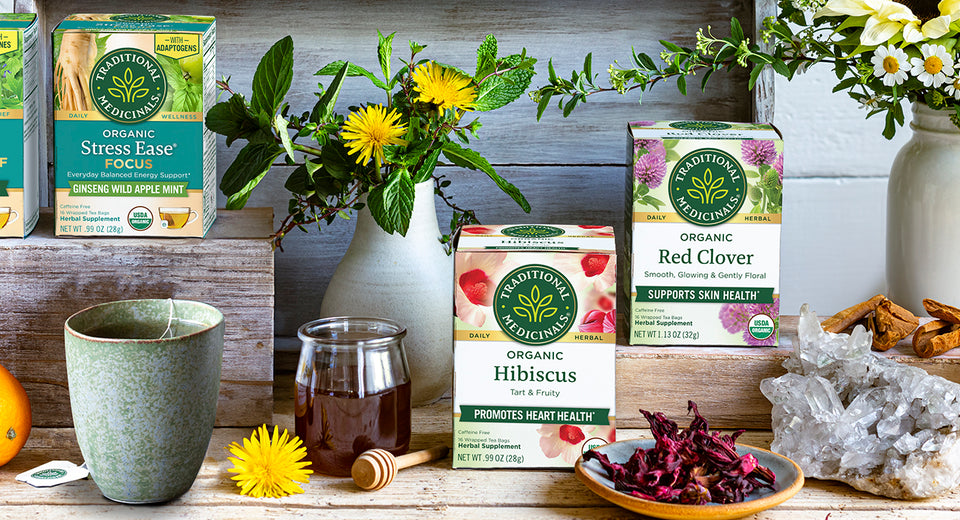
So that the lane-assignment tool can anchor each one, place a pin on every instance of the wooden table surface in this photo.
(432, 490)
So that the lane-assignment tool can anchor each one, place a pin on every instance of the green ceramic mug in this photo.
(144, 377)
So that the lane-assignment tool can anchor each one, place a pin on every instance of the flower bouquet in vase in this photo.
(378, 161)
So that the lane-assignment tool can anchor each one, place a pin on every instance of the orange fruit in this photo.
(15, 418)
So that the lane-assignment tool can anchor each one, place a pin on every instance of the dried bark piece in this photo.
(944, 342)
(842, 320)
(926, 332)
(941, 310)
(891, 323)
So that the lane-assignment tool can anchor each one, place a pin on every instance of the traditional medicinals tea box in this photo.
(534, 345)
(133, 156)
(704, 199)
(19, 124)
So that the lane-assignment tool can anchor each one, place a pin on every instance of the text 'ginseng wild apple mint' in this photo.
(20, 100)
(704, 201)
(534, 345)
(133, 156)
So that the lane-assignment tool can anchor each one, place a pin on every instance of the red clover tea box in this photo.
(704, 199)
(534, 345)
(20, 99)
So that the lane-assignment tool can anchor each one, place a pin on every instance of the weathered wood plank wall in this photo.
(570, 169)
(47, 279)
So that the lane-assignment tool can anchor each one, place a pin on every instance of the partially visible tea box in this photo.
(133, 156)
(20, 99)
(704, 199)
(534, 345)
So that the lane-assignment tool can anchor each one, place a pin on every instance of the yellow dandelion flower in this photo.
(444, 87)
(269, 466)
(371, 128)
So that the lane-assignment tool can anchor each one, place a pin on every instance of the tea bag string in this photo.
(169, 329)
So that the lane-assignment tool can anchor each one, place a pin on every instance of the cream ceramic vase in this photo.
(408, 279)
(923, 214)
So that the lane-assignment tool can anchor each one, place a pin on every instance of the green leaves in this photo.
(391, 203)
(486, 57)
(246, 171)
(234, 120)
(187, 96)
(466, 158)
(384, 51)
(500, 81)
(352, 71)
(328, 182)
(336, 161)
(503, 88)
(323, 110)
(272, 79)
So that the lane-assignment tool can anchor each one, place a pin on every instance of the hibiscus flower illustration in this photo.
(477, 278)
(566, 440)
(596, 269)
(479, 230)
(597, 231)
(599, 321)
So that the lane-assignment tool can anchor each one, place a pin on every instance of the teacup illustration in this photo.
(176, 218)
(8, 216)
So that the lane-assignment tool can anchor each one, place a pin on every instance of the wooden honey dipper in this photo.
(376, 468)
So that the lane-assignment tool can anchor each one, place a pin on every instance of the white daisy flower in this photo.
(890, 63)
(935, 67)
(952, 88)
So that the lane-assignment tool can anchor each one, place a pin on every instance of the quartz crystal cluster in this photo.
(843, 412)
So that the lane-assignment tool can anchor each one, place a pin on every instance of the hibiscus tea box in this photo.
(132, 154)
(534, 345)
(703, 210)
(20, 100)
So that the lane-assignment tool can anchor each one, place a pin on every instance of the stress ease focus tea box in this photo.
(534, 345)
(704, 199)
(19, 124)
(133, 156)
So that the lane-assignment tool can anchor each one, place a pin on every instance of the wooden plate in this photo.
(789, 481)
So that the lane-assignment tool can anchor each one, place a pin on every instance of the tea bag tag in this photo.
(169, 329)
(54, 473)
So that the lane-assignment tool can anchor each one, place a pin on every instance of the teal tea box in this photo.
(133, 156)
(19, 117)
(534, 345)
(703, 236)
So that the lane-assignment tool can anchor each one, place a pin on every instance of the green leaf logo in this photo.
(128, 88)
(707, 189)
(707, 186)
(535, 304)
(535, 308)
(128, 85)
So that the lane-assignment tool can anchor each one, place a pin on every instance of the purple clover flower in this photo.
(734, 317)
(648, 145)
(651, 168)
(643, 123)
(758, 153)
(778, 165)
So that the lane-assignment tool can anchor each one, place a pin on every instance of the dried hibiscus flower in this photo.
(693, 466)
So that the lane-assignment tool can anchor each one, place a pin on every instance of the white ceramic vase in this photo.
(408, 279)
(923, 214)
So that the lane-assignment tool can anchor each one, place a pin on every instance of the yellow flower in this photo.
(268, 466)
(444, 87)
(371, 128)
